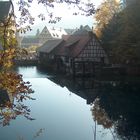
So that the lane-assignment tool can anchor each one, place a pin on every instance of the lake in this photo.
(63, 108)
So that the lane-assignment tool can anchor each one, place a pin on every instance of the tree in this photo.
(120, 36)
(105, 12)
(128, 40)
(11, 82)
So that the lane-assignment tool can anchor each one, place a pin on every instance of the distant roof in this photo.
(70, 31)
(84, 30)
(55, 32)
(4, 10)
(50, 45)
(30, 40)
(81, 32)
(87, 28)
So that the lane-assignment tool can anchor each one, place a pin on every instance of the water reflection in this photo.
(61, 109)
(10, 108)
(83, 87)
(121, 101)
(116, 102)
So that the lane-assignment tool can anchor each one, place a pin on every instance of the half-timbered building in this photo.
(82, 53)
(79, 53)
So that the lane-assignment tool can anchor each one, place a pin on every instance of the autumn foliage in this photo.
(15, 89)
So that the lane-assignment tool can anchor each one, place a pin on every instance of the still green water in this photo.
(63, 110)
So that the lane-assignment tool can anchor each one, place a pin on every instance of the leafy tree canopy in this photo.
(120, 36)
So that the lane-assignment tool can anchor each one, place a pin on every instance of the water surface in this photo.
(62, 108)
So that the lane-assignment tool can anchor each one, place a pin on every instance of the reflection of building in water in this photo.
(87, 88)
(78, 86)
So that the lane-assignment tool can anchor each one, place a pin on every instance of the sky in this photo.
(68, 19)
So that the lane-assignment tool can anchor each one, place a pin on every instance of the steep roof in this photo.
(4, 10)
(50, 45)
(87, 28)
(55, 33)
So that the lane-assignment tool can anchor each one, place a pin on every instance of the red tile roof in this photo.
(74, 45)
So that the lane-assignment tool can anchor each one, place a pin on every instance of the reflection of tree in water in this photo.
(119, 104)
(100, 115)
(11, 111)
(37, 134)
(13, 106)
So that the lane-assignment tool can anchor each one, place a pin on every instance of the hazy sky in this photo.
(68, 19)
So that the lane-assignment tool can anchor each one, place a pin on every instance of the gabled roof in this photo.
(4, 10)
(57, 32)
(87, 28)
(54, 32)
(50, 45)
